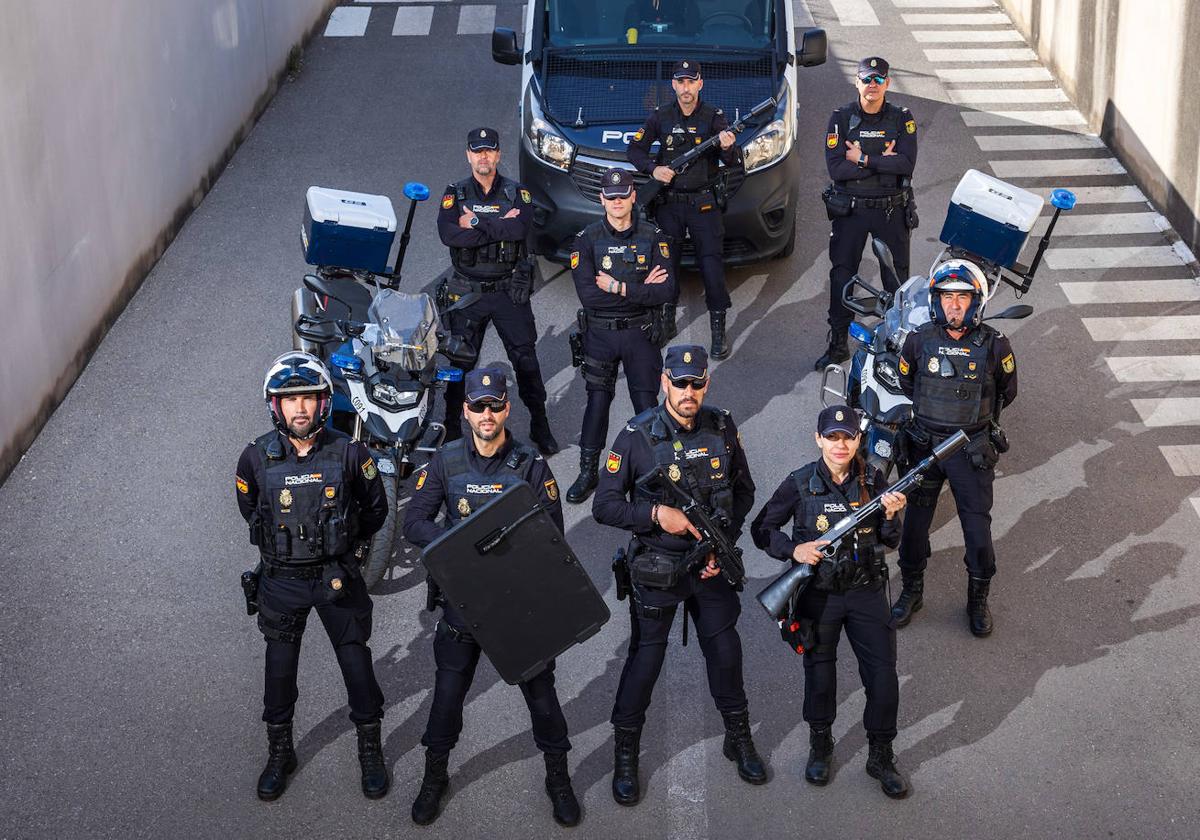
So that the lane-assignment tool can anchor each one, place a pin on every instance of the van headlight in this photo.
(546, 144)
(773, 143)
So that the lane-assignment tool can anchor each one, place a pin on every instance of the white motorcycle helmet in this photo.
(297, 372)
(958, 276)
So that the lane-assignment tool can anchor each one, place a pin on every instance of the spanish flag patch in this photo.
(447, 201)
(242, 486)
(574, 259)
(613, 464)
(903, 366)
(831, 141)
(421, 479)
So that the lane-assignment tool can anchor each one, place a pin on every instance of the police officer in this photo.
(870, 150)
(461, 476)
(484, 221)
(958, 372)
(701, 449)
(622, 271)
(309, 494)
(847, 591)
(688, 204)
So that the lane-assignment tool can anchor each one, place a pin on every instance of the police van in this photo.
(593, 69)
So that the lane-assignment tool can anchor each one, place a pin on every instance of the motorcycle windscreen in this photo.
(508, 570)
(407, 329)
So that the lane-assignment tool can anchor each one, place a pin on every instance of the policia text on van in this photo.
(593, 69)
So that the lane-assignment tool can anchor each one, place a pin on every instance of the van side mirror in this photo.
(504, 46)
(813, 46)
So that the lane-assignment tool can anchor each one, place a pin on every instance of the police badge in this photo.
(822, 523)
(606, 263)
(285, 498)
(464, 507)
(673, 472)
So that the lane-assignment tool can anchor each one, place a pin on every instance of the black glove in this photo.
(520, 287)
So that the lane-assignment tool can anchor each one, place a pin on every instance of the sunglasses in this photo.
(875, 79)
(686, 381)
(480, 406)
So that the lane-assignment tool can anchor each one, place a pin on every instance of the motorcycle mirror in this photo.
(416, 191)
(1013, 313)
(887, 265)
(318, 286)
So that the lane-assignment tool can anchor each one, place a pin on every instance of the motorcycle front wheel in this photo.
(379, 557)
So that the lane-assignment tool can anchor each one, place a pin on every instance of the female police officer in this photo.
(845, 590)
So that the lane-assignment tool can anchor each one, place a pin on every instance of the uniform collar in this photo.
(827, 477)
(318, 444)
(868, 116)
(496, 184)
(621, 234)
(501, 453)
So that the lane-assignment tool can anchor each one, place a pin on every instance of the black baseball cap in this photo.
(871, 66)
(483, 138)
(686, 69)
(617, 183)
(486, 384)
(837, 418)
(686, 361)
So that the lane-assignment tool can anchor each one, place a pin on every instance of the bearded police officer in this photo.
(484, 221)
(309, 493)
(689, 203)
(959, 372)
(461, 477)
(700, 449)
(622, 271)
(870, 150)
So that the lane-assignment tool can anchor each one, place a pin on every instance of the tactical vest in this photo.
(468, 488)
(683, 134)
(954, 389)
(304, 508)
(626, 259)
(700, 460)
(873, 134)
(819, 508)
(495, 260)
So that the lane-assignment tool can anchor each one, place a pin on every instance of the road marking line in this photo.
(966, 36)
(997, 119)
(854, 12)
(347, 22)
(1184, 460)
(967, 54)
(476, 20)
(381, 2)
(1131, 291)
(1056, 168)
(944, 4)
(1169, 411)
(1155, 368)
(413, 20)
(1196, 503)
(1107, 224)
(1017, 95)
(1107, 195)
(969, 19)
(1131, 256)
(993, 74)
(1144, 328)
(1037, 142)
(802, 16)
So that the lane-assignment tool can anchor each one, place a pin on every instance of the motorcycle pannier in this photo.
(990, 218)
(348, 230)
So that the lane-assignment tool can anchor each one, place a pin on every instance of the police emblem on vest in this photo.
(300, 520)
(468, 489)
(953, 389)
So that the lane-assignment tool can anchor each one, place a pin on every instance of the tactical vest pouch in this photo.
(799, 634)
(837, 204)
(335, 582)
(655, 571)
(982, 453)
(283, 542)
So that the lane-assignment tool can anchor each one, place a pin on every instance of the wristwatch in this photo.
(862, 162)
(474, 221)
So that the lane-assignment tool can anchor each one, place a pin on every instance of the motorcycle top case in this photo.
(347, 230)
(990, 218)
(509, 572)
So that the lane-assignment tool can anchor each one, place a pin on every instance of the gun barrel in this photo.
(950, 445)
(774, 598)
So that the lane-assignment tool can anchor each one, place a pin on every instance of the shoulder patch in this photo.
(613, 464)
(831, 140)
(242, 486)
(552, 489)
(911, 126)
(665, 250)
(574, 259)
(368, 469)
(526, 197)
(639, 134)
(1008, 363)
(421, 478)
(447, 201)
(904, 368)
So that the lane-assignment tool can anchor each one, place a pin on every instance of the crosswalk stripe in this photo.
(1144, 327)
(1125, 194)
(944, 4)
(1195, 500)
(1036, 142)
(854, 12)
(1183, 460)
(476, 20)
(969, 54)
(348, 22)
(968, 19)
(1169, 411)
(413, 20)
(1131, 256)
(1056, 168)
(962, 75)
(966, 36)
(802, 16)
(1008, 95)
(1155, 368)
(1108, 224)
(382, 2)
(1049, 119)
(1132, 291)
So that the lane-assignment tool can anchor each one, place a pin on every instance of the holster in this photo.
(663, 328)
(837, 204)
(433, 595)
(575, 340)
(998, 437)
(441, 295)
(620, 570)
(911, 219)
(250, 589)
(720, 191)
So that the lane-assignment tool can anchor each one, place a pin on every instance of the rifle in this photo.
(775, 597)
(713, 539)
(649, 192)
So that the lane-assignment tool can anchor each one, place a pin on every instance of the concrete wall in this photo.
(115, 118)
(1122, 63)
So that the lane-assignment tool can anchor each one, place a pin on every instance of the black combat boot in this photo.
(626, 744)
(426, 806)
(820, 756)
(281, 760)
(720, 349)
(739, 747)
(558, 788)
(881, 765)
(375, 779)
(540, 434)
(589, 466)
(910, 599)
(837, 352)
(978, 614)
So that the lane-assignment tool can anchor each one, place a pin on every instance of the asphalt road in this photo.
(131, 687)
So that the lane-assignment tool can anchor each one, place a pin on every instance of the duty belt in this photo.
(689, 196)
(482, 286)
(883, 202)
(606, 322)
(311, 571)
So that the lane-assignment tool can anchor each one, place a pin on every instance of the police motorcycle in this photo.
(987, 225)
(379, 343)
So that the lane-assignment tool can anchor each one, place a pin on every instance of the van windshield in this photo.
(722, 23)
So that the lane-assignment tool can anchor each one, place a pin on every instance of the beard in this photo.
(488, 437)
(301, 427)
(686, 407)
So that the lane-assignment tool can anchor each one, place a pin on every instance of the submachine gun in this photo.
(775, 597)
